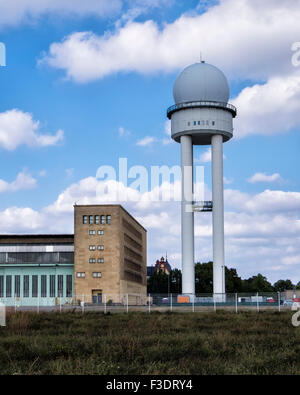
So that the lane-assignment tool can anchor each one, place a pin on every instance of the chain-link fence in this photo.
(125, 303)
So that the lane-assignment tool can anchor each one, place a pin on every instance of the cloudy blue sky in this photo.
(89, 82)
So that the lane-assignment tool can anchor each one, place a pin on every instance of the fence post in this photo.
(82, 304)
(60, 304)
(15, 304)
(38, 304)
(236, 302)
(127, 303)
(193, 303)
(171, 304)
(149, 303)
(257, 303)
(105, 304)
(215, 307)
(278, 301)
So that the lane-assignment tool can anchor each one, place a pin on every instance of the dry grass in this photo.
(159, 343)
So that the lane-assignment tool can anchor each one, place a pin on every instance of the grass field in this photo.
(159, 343)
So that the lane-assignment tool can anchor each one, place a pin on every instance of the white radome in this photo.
(201, 82)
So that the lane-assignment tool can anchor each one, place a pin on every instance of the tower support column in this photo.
(187, 216)
(218, 215)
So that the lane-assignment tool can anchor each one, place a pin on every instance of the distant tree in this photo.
(158, 283)
(204, 277)
(298, 285)
(257, 283)
(175, 281)
(282, 285)
(163, 283)
(233, 282)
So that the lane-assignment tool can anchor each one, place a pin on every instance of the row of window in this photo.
(82, 274)
(93, 232)
(93, 247)
(99, 260)
(36, 257)
(203, 123)
(96, 219)
(55, 288)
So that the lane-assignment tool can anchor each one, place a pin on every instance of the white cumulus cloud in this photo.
(272, 107)
(233, 35)
(263, 177)
(23, 181)
(19, 128)
(146, 141)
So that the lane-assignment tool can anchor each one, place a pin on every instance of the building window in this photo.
(92, 260)
(92, 248)
(69, 286)
(100, 260)
(100, 232)
(108, 219)
(34, 286)
(80, 274)
(97, 274)
(26, 286)
(195, 123)
(8, 286)
(85, 219)
(52, 286)
(189, 123)
(103, 222)
(213, 123)
(92, 232)
(60, 285)
(1, 286)
(43, 286)
(199, 122)
(17, 286)
(97, 219)
(101, 247)
(91, 219)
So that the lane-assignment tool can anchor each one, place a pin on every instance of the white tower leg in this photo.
(187, 216)
(218, 214)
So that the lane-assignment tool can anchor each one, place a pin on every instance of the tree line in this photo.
(160, 282)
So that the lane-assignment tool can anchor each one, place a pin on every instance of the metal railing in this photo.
(199, 104)
(118, 303)
(203, 206)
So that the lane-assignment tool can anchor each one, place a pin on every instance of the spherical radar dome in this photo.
(201, 82)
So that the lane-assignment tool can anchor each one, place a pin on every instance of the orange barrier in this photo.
(183, 299)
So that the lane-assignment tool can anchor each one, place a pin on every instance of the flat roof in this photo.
(110, 205)
(36, 238)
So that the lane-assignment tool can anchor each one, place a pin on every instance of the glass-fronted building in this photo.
(36, 269)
